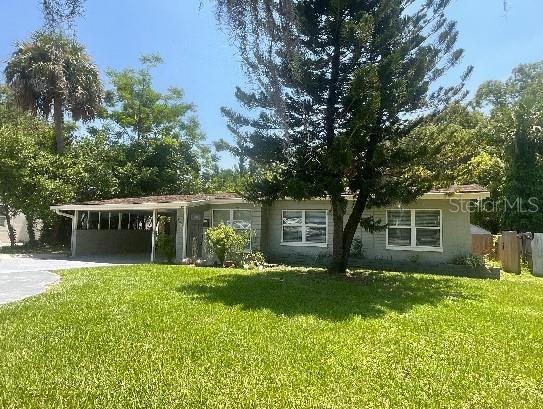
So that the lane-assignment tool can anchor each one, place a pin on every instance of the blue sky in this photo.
(200, 59)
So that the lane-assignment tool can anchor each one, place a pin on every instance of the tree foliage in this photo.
(515, 118)
(459, 149)
(52, 73)
(60, 15)
(226, 180)
(494, 141)
(338, 87)
(32, 176)
(158, 144)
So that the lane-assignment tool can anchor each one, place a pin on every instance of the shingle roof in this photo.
(461, 189)
(229, 196)
(164, 199)
(478, 230)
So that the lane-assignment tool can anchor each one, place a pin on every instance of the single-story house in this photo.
(435, 228)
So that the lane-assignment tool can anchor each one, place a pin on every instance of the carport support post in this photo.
(184, 233)
(73, 239)
(153, 237)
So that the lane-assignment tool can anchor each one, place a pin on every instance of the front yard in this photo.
(170, 336)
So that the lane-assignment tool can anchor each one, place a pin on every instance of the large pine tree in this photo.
(338, 87)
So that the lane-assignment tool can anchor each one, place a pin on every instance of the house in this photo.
(435, 228)
(19, 224)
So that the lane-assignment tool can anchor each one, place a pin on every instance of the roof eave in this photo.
(120, 206)
(180, 205)
(456, 195)
(142, 206)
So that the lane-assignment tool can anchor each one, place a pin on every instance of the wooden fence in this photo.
(482, 244)
(513, 250)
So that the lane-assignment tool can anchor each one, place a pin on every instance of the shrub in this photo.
(471, 261)
(254, 259)
(223, 241)
(356, 248)
(166, 246)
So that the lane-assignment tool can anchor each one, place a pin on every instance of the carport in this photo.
(110, 228)
(129, 226)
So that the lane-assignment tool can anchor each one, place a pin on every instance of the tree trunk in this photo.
(58, 116)
(30, 222)
(339, 260)
(344, 234)
(11, 231)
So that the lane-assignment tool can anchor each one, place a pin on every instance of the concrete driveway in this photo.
(22, 276)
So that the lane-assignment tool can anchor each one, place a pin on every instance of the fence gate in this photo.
(537, 255)
(510, 252)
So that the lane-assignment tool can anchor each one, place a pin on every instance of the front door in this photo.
(195, 233)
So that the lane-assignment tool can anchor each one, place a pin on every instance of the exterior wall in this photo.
(455, 233)
(256, 222)
(206, 209)
(279, 253)
(98, 242)
(19, 224)
(264, 229)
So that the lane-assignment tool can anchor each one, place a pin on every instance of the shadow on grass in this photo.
(291, 293)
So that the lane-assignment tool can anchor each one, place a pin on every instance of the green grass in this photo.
(169, 336)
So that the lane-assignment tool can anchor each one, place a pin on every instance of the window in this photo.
(239, 219)
(414, 230)
(2, 221)
(304, 228)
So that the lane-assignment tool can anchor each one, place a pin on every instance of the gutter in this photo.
(60, 213)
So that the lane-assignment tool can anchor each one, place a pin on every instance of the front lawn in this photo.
(169, 336)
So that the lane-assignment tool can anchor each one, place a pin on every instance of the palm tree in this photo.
(53, 73)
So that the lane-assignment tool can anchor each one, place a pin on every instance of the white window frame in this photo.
(413, 228)
(4, 225)
(304, 243)
(231, 219)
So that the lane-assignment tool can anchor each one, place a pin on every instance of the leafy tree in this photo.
(515, 117)
(338, 88)
(32, 176)
(226, 180)
(93, 162)
(157, 136)
(53, 73)
(461, 150)
(496, 142)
